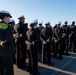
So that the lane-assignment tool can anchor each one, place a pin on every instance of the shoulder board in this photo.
(3, 26)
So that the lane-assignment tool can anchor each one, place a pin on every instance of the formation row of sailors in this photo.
(45, 40)
(32, 41)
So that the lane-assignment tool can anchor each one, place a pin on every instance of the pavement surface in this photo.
(66, 66)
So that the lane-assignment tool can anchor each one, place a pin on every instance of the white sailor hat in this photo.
(11, 21)
(59, 22)
(47, 23)
(40, 23)
(34, 22)
(21, 17)
(72, 21)
(26, 24)
(4, 13)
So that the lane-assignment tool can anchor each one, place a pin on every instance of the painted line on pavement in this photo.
(62, 67)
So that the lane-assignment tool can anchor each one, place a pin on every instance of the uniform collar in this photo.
(3, 22)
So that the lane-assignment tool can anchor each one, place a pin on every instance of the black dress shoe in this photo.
(60, 58)
(29, 70)
(18, 67)
(73, 50)
(36, 74)
(50, 64)
(44, 62)
(54, 56)
(67, 54)
(22, 67)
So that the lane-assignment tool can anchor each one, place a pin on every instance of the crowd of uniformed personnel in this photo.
(31, 41)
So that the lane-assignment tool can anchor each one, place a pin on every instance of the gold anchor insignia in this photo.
(33, 43)
(48, 40)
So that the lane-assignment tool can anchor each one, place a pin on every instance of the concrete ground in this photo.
(66, 66)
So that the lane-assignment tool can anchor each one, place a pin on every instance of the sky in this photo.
(43, 10)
